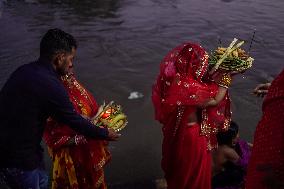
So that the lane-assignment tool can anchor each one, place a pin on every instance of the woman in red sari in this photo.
(266, 166)
(77, 161)
(179, 95)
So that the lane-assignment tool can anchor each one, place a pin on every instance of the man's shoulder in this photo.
(20, 73)
(25, 69)
(34, 73)
(37, 70)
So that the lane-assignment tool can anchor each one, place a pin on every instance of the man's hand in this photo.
(261, 89)
(112, 135)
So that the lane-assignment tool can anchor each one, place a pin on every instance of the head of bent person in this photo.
(230, 136)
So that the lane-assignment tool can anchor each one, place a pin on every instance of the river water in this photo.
(121, 43)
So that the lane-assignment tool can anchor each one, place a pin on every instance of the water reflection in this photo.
(86, 8)
(227, 1)
(2, 4)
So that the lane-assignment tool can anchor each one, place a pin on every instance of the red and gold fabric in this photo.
(179, 91)
(76, 166)
(266, 166)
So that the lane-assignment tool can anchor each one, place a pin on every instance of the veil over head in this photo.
(180, 79)
(180, 83)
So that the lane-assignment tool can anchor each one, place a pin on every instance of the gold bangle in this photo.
(225, 81)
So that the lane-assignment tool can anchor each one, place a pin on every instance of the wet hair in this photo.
(226, 138)
(56, 41)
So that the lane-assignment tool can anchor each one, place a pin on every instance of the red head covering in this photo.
(180, 84)
(181, 74)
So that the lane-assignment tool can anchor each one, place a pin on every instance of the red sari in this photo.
(179, 92)
(76, 166)
(266, 166)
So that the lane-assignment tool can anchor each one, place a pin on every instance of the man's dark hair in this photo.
(56, 41)
(226, 138)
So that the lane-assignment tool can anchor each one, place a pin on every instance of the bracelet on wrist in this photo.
(225, 81)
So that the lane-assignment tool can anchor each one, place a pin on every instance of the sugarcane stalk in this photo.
(229, 50)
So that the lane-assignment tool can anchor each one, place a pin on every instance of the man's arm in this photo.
(63, 111)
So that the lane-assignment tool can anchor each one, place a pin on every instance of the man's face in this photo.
(65, 62)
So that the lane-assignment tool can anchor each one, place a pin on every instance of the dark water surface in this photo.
(121, 43)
